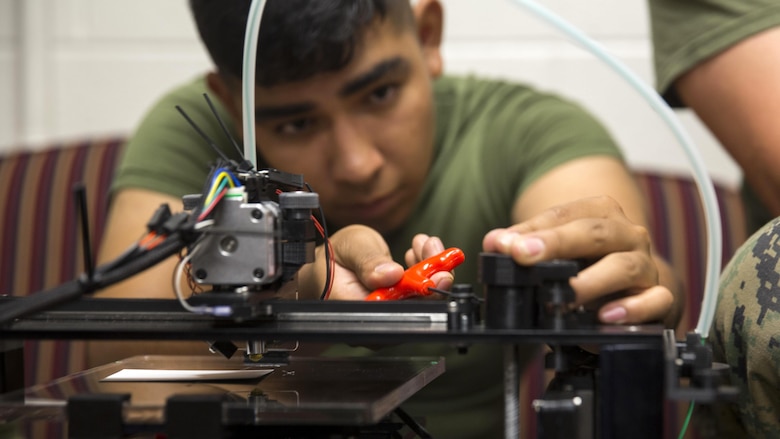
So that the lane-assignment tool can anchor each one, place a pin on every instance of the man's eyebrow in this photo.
(281, 111)
(371, 76)
(396, 64)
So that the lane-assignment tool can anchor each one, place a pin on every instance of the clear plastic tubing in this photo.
(248, 78)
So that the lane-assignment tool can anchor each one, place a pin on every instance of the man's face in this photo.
(363, 136)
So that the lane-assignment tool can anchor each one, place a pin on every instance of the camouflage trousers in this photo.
(746, 336)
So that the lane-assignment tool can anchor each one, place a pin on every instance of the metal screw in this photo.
(228, 244)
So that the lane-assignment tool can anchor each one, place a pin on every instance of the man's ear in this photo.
(218, 87)
(429, 17)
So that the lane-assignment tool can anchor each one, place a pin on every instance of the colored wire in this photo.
(208, 209)
(147, 239)
(687, 421)
(177, 275)
(221, 180)
(222, 311)
(217, 174)
(159, 239)
(330, 261)
(200, 225)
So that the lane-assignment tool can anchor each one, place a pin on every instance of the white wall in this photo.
(75, 67)
(8, 51)
(93, 66)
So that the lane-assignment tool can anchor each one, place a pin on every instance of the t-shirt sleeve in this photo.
(497, 138)
(165, 154)
(532, 133)
(557, 131)
(686, 33)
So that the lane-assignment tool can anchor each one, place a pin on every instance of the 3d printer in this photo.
(266, 211)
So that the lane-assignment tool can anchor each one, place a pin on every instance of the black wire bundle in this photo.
(131, 263)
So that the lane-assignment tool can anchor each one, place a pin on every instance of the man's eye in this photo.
(383, 94)
(296, 126)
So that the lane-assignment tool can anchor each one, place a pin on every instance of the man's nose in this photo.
(356, 158)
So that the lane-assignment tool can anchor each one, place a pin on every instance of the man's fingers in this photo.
(414, 254)
(423, 246)
(614, 272)
(593, 207)
(595, 229)
(363, 251)
(584, 238)
(631, 273)
(443, 280)
(650, 305)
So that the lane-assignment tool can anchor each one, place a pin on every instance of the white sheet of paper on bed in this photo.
(185, 374)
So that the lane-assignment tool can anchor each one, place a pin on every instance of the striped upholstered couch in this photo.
(40, 238)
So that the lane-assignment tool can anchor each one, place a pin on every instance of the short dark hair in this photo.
(298, 38)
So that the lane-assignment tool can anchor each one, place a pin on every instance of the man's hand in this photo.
(363, 263)
(423, 247)
(593, 228)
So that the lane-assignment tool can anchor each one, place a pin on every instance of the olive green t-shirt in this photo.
(492, 140)
(687, 32)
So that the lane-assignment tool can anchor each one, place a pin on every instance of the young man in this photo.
(350, 94)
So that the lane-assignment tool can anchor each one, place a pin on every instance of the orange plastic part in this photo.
(417, 278)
